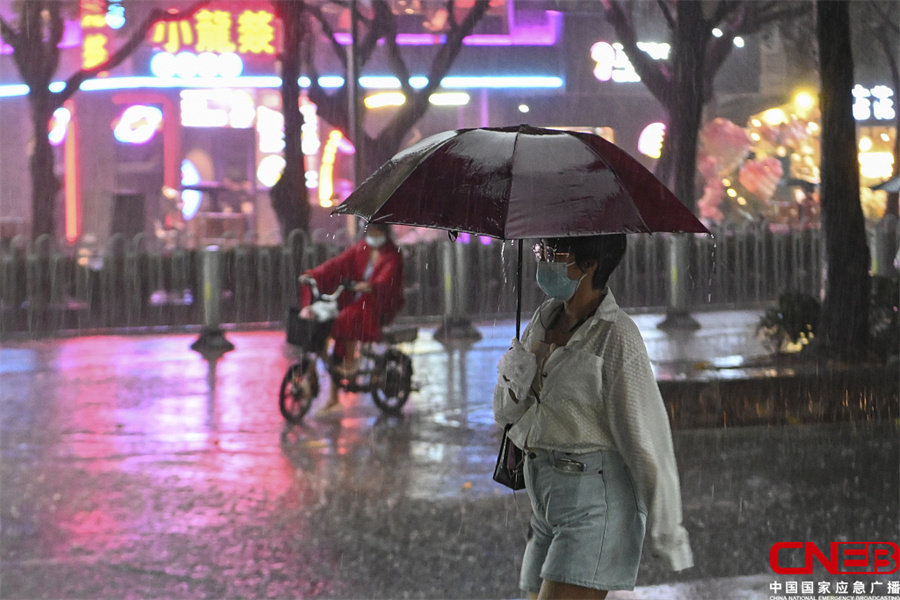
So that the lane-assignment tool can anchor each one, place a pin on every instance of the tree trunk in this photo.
(892, 208)
(843, 326)
(684, 105)
(44, 183)
(289, 195)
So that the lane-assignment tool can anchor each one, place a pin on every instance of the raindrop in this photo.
(712, 268)
(504, 261)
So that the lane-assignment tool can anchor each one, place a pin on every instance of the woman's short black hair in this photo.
(607, 250)
(380, 228)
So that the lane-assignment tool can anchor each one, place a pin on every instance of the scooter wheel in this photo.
(299, 388)
(392, 381)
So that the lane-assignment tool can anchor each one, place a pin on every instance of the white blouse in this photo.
(598, 392)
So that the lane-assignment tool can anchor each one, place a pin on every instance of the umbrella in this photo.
(891, 185)
(517, 183)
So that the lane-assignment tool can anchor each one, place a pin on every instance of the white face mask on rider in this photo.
(375, 241)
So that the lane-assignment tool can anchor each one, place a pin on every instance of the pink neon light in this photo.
(403, 39)
(71, 38)
(519, 35)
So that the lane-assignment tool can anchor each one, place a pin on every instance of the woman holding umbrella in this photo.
(584, 404)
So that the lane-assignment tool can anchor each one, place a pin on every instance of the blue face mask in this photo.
(553, 280)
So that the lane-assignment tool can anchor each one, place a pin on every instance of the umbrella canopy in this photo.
(890, 186)
(519, 182)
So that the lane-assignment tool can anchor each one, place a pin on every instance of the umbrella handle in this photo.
(519, 290)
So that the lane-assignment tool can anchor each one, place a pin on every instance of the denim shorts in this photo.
(587, 523)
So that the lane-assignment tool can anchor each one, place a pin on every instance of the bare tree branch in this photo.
(719, 49)
(57, 25)
(375, 30)
(8, 34)
(666, 11)
(723, 9)
(717, 52)
(654, 74)
(885, 17)
(451, 13)
(769, 13)
(395, 59)
(417, 104)
(328, 31)
(137, 38)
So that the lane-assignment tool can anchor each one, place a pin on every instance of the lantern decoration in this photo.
(723, 147)
(761, 177)
(709, 205)
(728, 143)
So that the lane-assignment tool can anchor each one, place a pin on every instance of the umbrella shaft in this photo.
(519, 289)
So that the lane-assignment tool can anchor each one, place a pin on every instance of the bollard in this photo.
(881, 243)
(678, 315)
(456, 324)
(212, 338)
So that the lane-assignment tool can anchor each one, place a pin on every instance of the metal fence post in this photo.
(212, 338)
(678, 315)
(881, 242)
(456, 324)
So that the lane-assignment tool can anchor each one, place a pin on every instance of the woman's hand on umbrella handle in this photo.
(516, 370)
(512, 394)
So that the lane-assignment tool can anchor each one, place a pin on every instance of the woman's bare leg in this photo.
(554, 590)
(350, 353)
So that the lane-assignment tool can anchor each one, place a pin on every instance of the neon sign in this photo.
(873, 103)
(651, 140)
(115, 14)
(269, 169)
(137, 124)
(94, 50)
(217, 108)
(326, 185)
(187, 65)
(59, 125)
(612, 64)
(218, 31)
(190, 199)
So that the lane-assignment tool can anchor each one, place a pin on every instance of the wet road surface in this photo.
(132, 467)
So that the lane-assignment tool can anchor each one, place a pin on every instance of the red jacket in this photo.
(362, 315)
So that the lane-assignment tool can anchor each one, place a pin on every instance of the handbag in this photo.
(510, 468)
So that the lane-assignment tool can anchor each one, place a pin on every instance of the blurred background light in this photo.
(138, 124)
(190, 199)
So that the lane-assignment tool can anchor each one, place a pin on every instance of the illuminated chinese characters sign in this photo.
(612, 64)
(223, 40)
(244, 31)
(95, 30)
(875, 103)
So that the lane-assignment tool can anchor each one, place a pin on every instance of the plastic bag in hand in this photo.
(516, 370)
(324, 311)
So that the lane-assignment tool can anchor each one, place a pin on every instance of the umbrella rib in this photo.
(508, 191)
(619, 179)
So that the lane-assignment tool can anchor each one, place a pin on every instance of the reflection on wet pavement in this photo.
(133, 467)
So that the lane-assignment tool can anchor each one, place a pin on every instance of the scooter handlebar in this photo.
(318, 296)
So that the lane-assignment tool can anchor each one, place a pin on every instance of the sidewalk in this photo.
(726, 338)
(131, 466)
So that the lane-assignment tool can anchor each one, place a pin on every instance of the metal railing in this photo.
(47, 287)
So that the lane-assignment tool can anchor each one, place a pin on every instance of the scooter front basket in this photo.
(307, 333)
